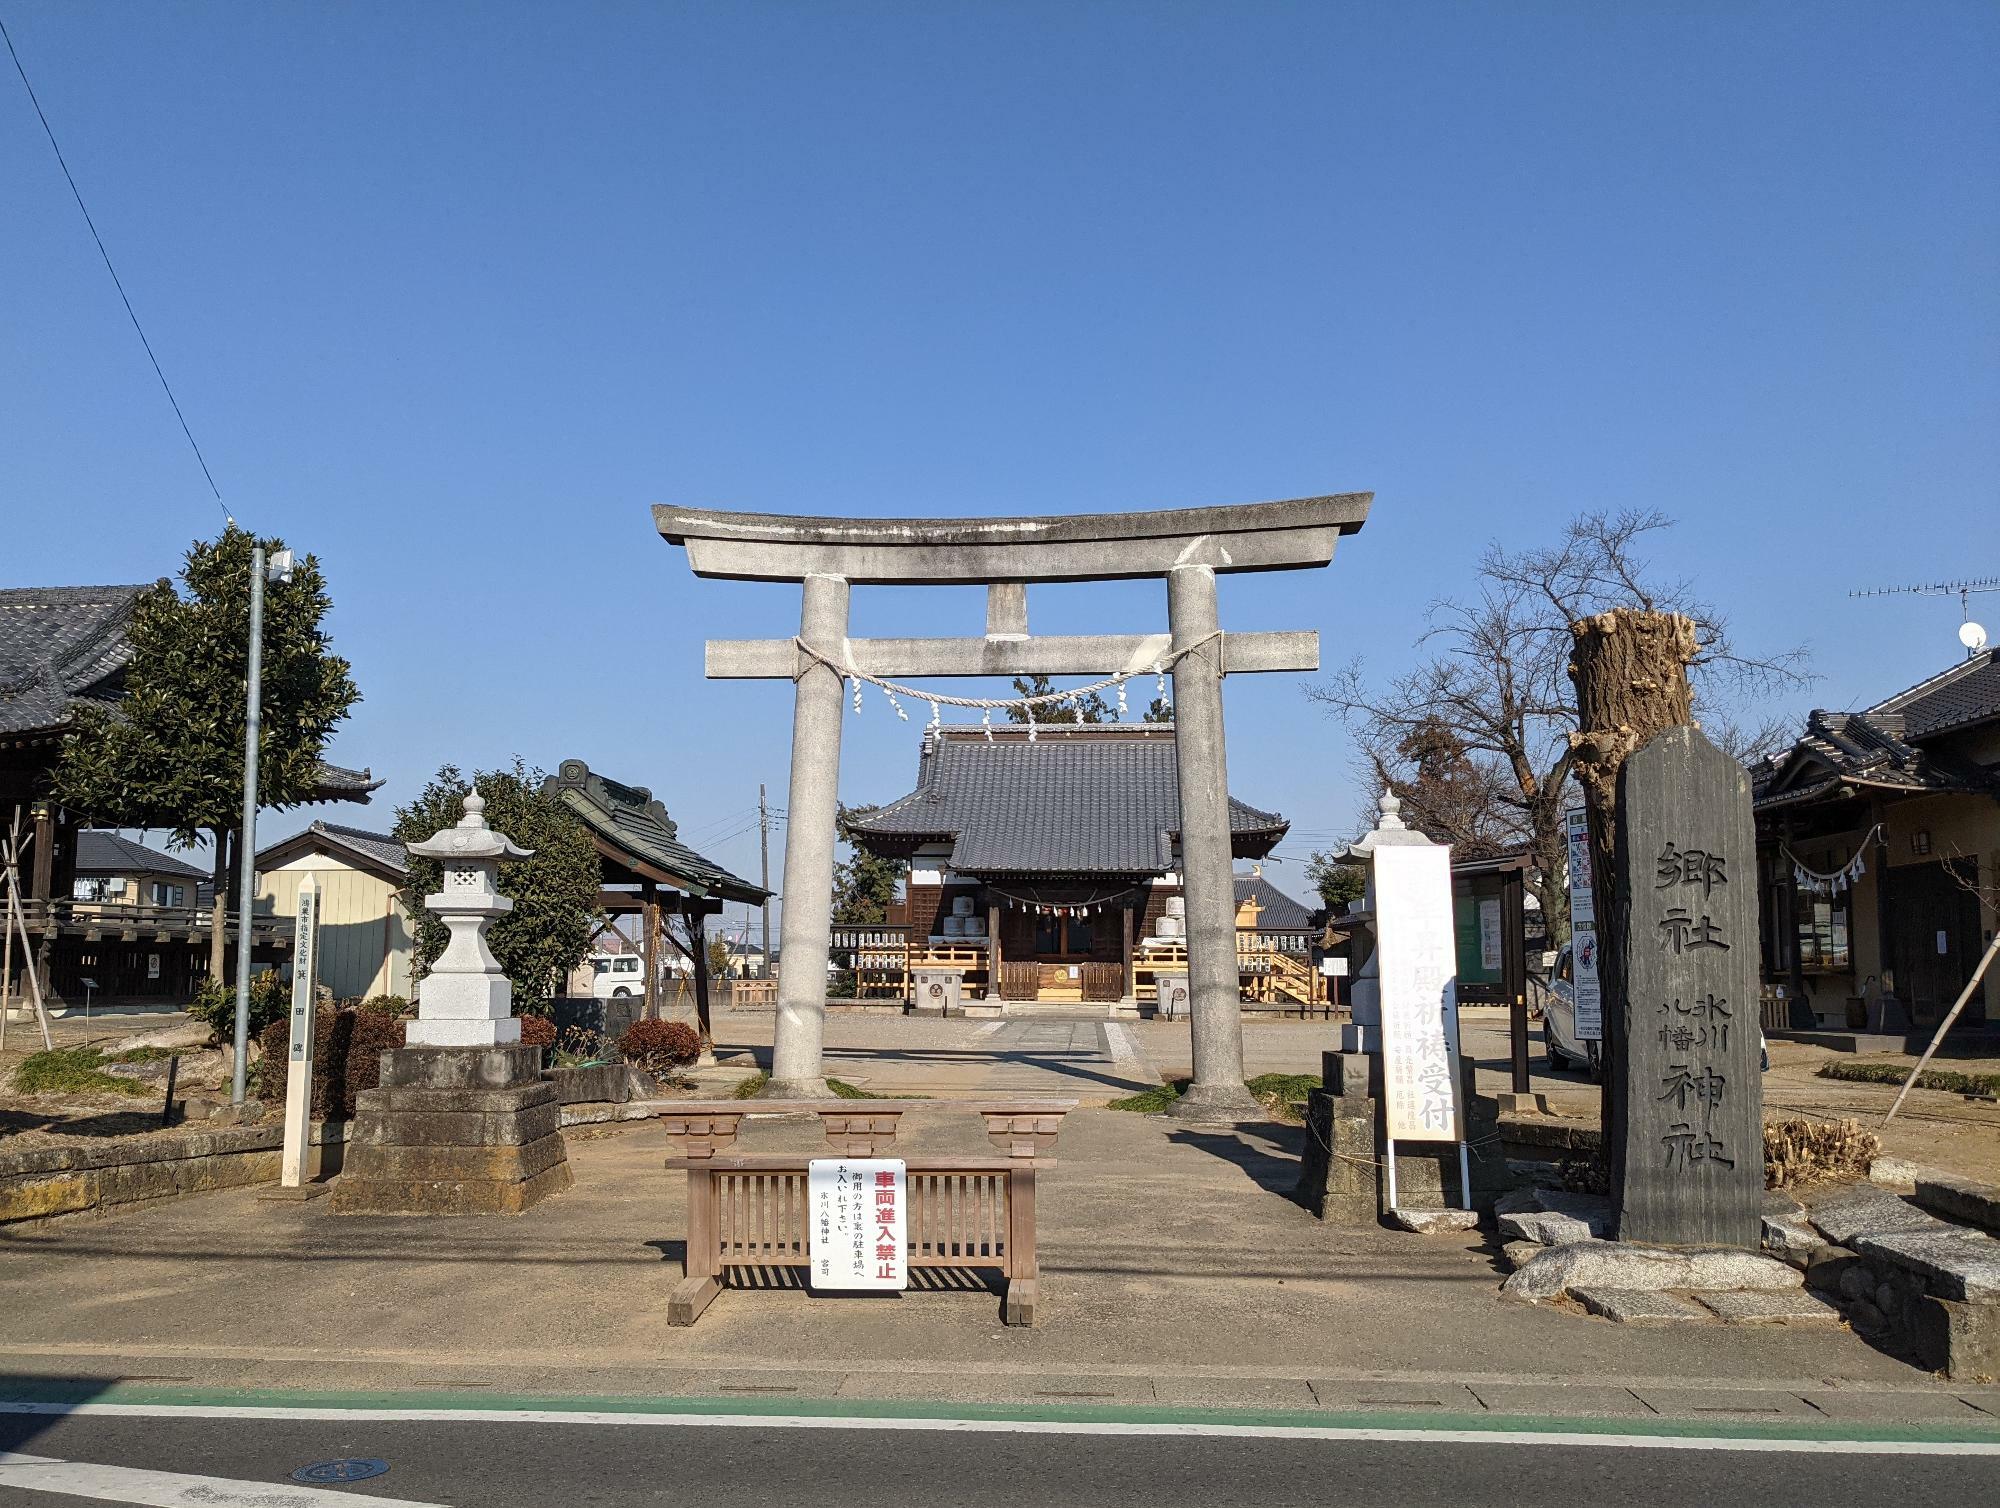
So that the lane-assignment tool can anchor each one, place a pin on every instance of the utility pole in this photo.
(246, 880)
(764, 877)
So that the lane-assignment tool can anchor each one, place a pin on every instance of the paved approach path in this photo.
(1177, 1273)
(1090, 1060)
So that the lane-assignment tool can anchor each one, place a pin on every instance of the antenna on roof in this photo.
(1970, 634)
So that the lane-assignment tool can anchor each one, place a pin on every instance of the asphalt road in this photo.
(499, 1464)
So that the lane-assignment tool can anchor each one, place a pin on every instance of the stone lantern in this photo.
(463, 1123)
(467, 999)
(1363, 1033)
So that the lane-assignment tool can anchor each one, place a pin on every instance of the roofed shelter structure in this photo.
(1187, 548)
(649, 872)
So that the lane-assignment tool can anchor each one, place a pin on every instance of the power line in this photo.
(116, 281)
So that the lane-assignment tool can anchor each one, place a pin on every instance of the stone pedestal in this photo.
(454, 1131)
(1341, 1178)
(939, 992)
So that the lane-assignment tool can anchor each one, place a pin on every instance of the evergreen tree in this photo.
(865, 884)
(1338, 884)
(170, 753)
(1089, 708)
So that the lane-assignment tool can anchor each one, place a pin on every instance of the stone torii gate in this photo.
(1187, 547)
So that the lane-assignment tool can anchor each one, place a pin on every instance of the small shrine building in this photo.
(1047, 868)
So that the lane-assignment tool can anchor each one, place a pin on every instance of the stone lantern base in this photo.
(1341, 1176)
(454, 1131)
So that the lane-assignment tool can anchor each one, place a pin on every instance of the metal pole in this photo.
(764, 875)
(253, 726)
(1390, 1165)
(1514, 971)
(1464, 1175)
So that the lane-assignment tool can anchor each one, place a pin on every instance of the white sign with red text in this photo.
(857, 1236)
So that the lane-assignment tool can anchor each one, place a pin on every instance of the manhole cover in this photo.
(357, 1470)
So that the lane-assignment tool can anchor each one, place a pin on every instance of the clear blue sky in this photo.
(451, 293)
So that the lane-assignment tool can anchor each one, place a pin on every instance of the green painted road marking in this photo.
(57, 1395)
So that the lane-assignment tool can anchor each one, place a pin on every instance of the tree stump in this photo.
(1630, 669)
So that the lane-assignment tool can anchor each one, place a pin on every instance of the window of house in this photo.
(1823, 944)
(86, 890)
(167, 895)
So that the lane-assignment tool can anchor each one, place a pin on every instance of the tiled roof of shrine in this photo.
(1080, 799)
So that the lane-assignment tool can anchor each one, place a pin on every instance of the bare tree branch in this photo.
(1474, 739)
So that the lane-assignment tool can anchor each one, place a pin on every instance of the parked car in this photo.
(1559, 1039)
(617, 975)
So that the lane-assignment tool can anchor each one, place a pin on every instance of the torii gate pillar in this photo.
(1187, 547)
(812, 809)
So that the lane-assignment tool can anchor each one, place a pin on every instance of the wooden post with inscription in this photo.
(1687, 1164)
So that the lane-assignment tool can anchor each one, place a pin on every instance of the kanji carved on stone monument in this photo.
(1690, 1168)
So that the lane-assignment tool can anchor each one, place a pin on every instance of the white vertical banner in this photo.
(858, 1232)
(1417, 958)
(1584, 988)
(299, 1060)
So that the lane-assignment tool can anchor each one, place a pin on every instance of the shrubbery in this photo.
(214, 1004)
(347, 1058)
(659, 1045)
(538, 1031)
(385, 1005)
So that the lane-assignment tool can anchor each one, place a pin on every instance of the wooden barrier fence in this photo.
(748, 1212)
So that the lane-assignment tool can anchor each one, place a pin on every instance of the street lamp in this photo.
(277, 569)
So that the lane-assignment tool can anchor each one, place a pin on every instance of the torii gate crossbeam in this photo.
(1187, 547)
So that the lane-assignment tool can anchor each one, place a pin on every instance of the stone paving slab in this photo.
(1056, 1387)
(1639, 1306)
(1561, 1400)
(1445, 1397)
(1961, 1199)
(1899, 1408)
(1770, 1307)
(1735, 1403)
(1955, 1263)
(1866, 1208)
(1234, 1392)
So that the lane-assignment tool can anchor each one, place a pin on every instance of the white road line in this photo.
(989, 1029)
(171, 1489)
(1331, 1433)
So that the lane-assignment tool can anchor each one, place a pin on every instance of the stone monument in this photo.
(1686, 1140)
(1398, 1074)
(463, 1123)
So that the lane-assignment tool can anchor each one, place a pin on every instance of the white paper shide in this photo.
(858, 1232)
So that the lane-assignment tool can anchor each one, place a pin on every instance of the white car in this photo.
(1559, 1039)
(614, 976)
